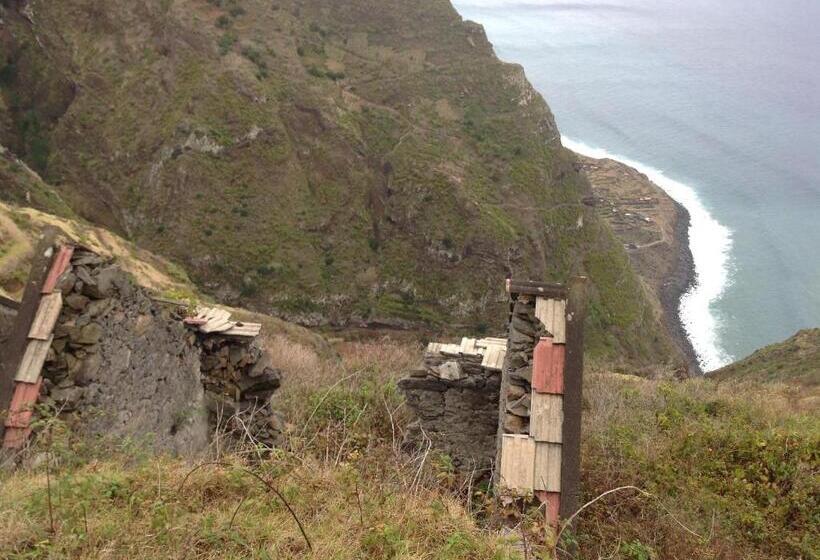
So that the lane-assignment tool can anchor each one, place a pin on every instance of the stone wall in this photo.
(516, 384)
(239, 383)
(455, 401)
(125, 366)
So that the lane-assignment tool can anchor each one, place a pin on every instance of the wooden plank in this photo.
(33, 360)
(46, 318)
(494, 357)
(527, 287)
(547, 418)
(22, 404)
(468, 346)
(573, 398)
(552, 314)
(517, 462)
(434, 348)
(548, 367)
(217, 326)
(245, 329)
(12, 352)
(493, 340)
(547, 474)
(61, 263)
(552, 501)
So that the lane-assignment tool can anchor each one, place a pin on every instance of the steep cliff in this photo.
(365, 161)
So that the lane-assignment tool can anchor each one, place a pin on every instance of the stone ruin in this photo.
(239, 385)
(454, 396)
(461, 405)
(511, 406)
(124, 365)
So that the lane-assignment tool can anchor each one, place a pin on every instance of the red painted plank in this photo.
(22, 404)
(553, 502)
(60, 265)
(548, 367)
(16, 438)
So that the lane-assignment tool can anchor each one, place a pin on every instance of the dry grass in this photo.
(342, 471)
(693, 446)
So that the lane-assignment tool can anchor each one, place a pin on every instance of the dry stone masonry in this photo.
(125, 366)
(117, 363)
(535, 401)
(239, 385)
(454, 396)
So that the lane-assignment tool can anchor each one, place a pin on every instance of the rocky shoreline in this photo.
(654, 230)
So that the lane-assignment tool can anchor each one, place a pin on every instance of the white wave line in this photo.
(710, 243)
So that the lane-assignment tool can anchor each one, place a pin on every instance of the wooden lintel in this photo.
(527, 287)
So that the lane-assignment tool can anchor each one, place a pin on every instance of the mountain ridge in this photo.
(371, 162)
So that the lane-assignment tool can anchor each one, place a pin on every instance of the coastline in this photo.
(677, 285)
(654, 230)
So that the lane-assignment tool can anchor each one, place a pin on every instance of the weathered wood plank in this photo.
(468, 346)
(22, 404)
(494, 357)
(46, 318)
(573, 400)
(33, 360)
(244, 329)
(548, 367)
(552, 500)
(61, 263)
(547, 418)
(552, 314)
(217, 326)
(547, 474)
(527, 287)
(12, 351)
(517, 462)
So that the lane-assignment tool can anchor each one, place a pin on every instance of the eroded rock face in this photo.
(455, 401)
(125, 366)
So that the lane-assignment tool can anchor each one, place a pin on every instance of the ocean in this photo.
(719, 104)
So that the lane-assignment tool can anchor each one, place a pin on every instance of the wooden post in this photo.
(12, 352)
(573, 398)
(555, 358)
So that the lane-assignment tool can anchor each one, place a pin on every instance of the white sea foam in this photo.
(711, 244)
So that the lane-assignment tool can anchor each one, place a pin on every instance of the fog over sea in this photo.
(719, 103)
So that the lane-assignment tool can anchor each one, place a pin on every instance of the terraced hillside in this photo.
(331, 162)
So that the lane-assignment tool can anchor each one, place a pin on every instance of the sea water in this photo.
(718, 102)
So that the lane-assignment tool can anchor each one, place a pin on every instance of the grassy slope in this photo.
(796, 360)
(736, 465)
(324, 160)
(20, 228)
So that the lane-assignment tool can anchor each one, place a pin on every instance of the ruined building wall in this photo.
(239, 383)
(454, 397)
(122, 364)
(516, 384)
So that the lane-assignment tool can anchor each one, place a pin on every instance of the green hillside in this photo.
(795, 361)
(325, 161)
